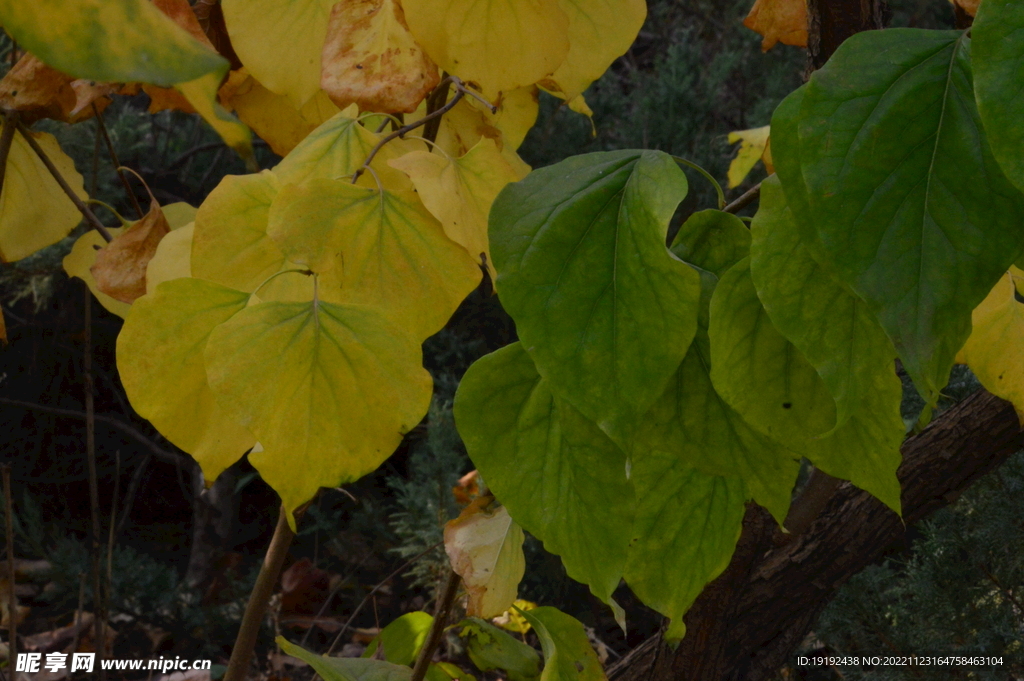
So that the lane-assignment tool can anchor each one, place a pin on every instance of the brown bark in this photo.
(748, 622)
(829, 23)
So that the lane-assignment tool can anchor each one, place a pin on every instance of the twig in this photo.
(162, 454)
(1006, 592)
(117, 163)
(374, 590)
(94, 493)
(744, 200)
(12, 602)
(256, 608)
(186, 155)
(113, 518)
(461, 91)
(78, 613)
(437, 627)
(90, 217)
(436, 100)
(6, 138)
(129, 497)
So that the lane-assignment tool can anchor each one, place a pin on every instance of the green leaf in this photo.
(490, 648)
(329, 390)
(160, 361)
(347, 668)
(998, 50)
(561, 478)
(395, 255)
(692, 422)
(605, 311)
(716, 239)
(760, 373)
(109, 40)
(842, 340)
(403, 638)
(687, 526)
(568, 655)
(771, 384)
(908, 203)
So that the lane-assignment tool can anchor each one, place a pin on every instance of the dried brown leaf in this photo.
(120, 269)
(782, 21)
(37, 91)
(371, 58)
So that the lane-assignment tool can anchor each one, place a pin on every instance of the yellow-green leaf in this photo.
(230, 245)
(329, 390)
(370, 58)
(79, 262)
(498, 45)
(485, 547)
(752, 146)
(459, 192)
(173, 258)
(394, 255)
(160, 361)
(280, 42)
(600, 31)
(995, 349)
(109, 40)
(34, 211)
(201, 93)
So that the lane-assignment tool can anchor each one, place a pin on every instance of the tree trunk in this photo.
(748, 622)
(214, 512)
(830, 22)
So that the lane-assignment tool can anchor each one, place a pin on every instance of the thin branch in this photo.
(99, 606)
(6, 138)
(461, 91)
(186, 155)
(256, 608)
(436, 100)
(744, 200)
(158, 452)
(90, 217)
(374, 590)
(1006, 592)
(438, 626)
(12, 613)
(117, 163)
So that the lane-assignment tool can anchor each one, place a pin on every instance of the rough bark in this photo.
(831, 22)
(214, 512)
(748, 622)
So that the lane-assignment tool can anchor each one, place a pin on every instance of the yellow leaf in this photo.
(995, 349)
(782, 21)
(120, 267)
(600, 31)
(230, 245)
(752, 147)
(160, 361)
(179, 214)
(329, 390)
(109, 40)
(466, 124)
(513, 620)
(172, 259)
(339, 147)
(394, 255)
(80, 260)
(34, 211)
(280, 42)
(459, 192)
(201, 93)
(498, 45)
(273, 117)
(517, 112)
(370, 58)
(486, 549)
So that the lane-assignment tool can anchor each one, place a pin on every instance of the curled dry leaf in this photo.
(370, 58)
(37, 91)
(120, 269)
(485, 547)
(782, 21)
(968, 6)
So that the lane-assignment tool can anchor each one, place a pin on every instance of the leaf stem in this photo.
(256, 608)
(90, 217)
(744, 200)
(117, 163)
(438, 626)
(707, 176)
(278, 274)
(461, 91)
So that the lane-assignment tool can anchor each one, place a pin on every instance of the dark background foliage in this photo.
(693, 75)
